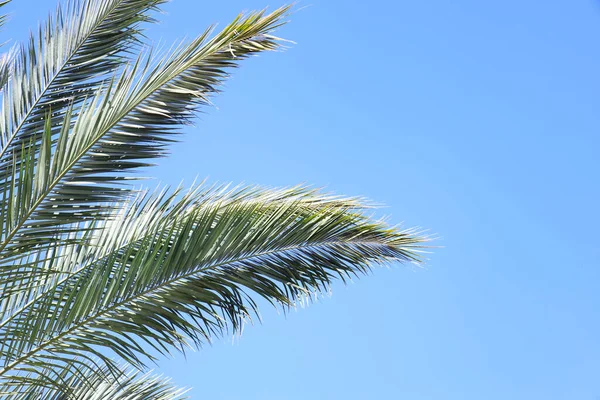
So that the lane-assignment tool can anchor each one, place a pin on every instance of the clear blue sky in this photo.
(478, 120)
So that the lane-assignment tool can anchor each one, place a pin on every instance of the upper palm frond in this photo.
(66, 181)
(192, 276)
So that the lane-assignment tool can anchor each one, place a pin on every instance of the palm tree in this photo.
(98, 279)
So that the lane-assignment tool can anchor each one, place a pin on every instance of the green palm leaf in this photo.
(131, 386)
(191, 277)
(124, 385)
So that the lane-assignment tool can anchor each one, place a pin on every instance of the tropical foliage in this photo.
(98, 279)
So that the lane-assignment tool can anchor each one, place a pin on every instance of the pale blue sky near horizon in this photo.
(476, 120)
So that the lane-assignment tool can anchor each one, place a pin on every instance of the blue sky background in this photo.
(477, 120)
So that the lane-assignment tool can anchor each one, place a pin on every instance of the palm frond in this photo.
(101, 385)
(132, 222)
(70, 180)
(197, 276)
(130, 386)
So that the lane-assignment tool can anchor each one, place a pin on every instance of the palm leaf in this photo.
(197, 276)
(130, 386)
(133, 222)
(122, 385)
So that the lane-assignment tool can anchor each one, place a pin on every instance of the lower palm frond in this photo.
(101, 384)
(93, 277)
(196, 275)
(130, 386)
